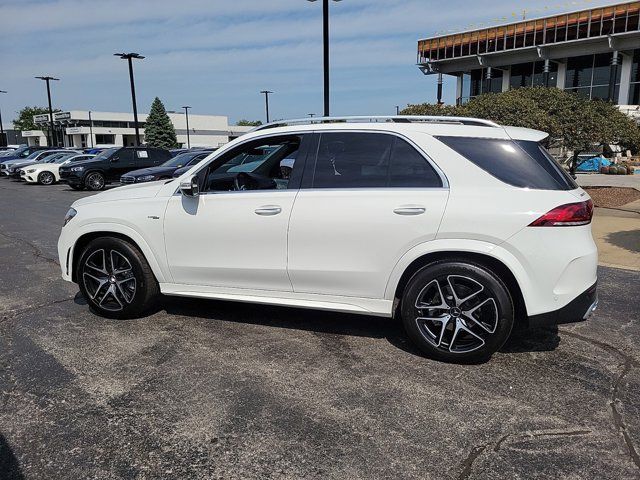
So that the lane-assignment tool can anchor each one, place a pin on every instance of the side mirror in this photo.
(190, 187)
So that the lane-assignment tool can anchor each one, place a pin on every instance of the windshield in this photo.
(33, 155)
(106, 153)
(60, 158)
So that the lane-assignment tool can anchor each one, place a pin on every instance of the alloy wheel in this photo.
(109, 279)
(456, 314)
(46, 178)
(95, 181)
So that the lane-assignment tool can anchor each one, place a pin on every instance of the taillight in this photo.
(569, 215)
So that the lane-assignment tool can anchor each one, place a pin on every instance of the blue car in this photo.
(167, 169)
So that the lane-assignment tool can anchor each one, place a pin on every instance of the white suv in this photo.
(460, 226)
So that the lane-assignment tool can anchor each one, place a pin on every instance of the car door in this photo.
(234, 233)
(119, 163)
(366, 199)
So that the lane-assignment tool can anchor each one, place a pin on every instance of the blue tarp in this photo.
(593, 164)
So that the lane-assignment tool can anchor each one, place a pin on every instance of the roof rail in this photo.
(380, 119)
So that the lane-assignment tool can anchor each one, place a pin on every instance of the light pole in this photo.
(311, 114)
(266, 101)
(129, 57)
(3, 143)
(325, 47)
(91, 128)
(397, 109)
(186, 114)
(47, 80)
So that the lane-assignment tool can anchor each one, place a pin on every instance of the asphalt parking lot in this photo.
(207, 389)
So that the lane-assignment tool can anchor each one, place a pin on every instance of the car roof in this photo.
(435, 126)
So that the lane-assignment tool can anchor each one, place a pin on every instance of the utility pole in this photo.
(3, 141)
(266, 101)
(91, 128)
(47, 79)
(186, 114)
(129, 57)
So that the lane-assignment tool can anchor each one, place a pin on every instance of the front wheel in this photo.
(457, 311)
(115, 278)
(94, 181)
(46, 178)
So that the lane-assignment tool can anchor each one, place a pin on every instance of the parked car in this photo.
(166, 170)
(12, 169)
(460, 227)
(21, 152)
(109, 165)
(48, 173)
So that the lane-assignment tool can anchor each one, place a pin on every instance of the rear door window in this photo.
(370, 160)
(522, 164)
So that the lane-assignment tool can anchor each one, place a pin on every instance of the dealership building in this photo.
(82, 129)
(595, 52)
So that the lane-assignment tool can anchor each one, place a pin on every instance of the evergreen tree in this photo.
(159, 131)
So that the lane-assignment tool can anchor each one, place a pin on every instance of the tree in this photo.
(248, 123)
(159, 131)
(25, 118)
(573, 122)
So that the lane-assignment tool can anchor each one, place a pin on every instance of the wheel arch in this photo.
(483, 259)
(131, 236)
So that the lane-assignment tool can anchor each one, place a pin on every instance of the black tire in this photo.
(431, 321)
(94, 181)
(126, 286)
(46, 178)
(76, 187)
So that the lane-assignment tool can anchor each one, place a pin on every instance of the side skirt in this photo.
(366, 306)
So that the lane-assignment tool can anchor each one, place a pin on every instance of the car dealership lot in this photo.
(216, 389)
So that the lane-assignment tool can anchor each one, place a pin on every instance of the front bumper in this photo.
(579, 309)
(72, 178)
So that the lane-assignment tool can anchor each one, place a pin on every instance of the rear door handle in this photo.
(410, 210)
(268, 210)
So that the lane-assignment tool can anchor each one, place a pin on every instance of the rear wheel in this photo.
(457, 311)
(94, 181)
(46, 178)
(116, 279)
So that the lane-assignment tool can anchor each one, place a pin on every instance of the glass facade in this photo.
(589, 75)
(532, 74)
(634, 89)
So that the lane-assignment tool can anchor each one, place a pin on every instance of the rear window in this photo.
(520, 163)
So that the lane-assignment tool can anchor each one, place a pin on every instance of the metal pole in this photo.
(325, 42)
(3, 142)
(397, 109)
(613, 76)
(133, 99)
(91, 128)
(440, 81)
(186, 114)
(266, 102)
(50, 114)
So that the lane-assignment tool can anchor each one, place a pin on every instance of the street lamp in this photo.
(397, 109)
(3, 143)
(266, 101)
(186, 114)
(311, 114)
(325, 43)
(48, 79)
(129, 57)
(91, 128)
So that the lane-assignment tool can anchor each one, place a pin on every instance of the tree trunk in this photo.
(574, 162)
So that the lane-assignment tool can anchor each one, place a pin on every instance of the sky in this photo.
(217, 55)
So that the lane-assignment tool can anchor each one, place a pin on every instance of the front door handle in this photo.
(268, 210)
(410, 210)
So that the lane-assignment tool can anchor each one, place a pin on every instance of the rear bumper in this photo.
(579, 309)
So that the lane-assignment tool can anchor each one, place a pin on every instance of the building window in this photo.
(589, 75)
(634, 90)
(532, 73)
(105, 139)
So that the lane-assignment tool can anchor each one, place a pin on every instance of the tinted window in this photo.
(409, 168)
(521, 164)
(361, 160)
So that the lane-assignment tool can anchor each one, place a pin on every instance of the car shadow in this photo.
(629, 240)
(333, 323)
(9, 466)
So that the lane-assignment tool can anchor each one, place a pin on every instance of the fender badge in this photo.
(153, 217)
